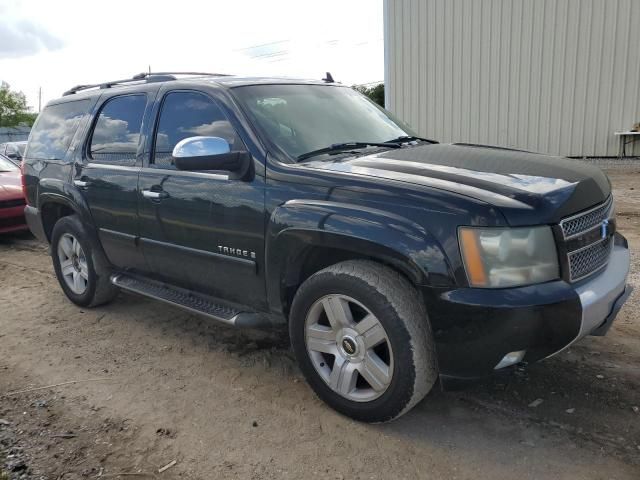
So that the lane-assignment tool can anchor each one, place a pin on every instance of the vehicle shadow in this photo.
(17, 238)
(584, 399)
(580, 403)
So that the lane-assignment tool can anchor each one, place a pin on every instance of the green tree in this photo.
(375, 93)
(13, 108)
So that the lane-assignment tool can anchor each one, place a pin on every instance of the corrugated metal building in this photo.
(554, 76)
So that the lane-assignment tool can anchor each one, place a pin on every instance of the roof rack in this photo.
(147, 77)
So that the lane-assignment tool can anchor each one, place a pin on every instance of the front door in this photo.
(201, 230)
(108, 177)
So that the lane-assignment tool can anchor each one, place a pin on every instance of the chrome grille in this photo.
(587, 259)
(583, 222)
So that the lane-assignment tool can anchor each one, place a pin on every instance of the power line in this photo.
(261, 45)
(377, 82)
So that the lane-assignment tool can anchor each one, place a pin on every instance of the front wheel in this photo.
(362, 338)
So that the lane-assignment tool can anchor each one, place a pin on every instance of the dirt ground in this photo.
(159, 385)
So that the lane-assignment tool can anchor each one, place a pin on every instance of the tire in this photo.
(88, 264)
(394, 374)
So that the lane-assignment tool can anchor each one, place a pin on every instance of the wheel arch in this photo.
(305, 237)
(54, 206)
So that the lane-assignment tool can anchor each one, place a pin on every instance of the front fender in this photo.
(299, 225)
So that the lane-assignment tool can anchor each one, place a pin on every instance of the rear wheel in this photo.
(81, 269)
(73, 264)
(363, 341)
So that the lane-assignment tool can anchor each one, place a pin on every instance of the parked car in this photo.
(11, 198)
(394, 260)
(14, 151)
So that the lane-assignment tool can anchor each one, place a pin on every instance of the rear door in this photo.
(201, 230)
(108, 175)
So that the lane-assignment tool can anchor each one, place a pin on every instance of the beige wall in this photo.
(555, 76)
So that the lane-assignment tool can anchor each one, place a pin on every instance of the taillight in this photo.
(23, 181)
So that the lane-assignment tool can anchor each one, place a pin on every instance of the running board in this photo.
(190, 301)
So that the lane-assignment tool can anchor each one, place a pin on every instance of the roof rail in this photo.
(147, 77)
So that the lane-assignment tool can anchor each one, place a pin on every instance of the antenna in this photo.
(328, 78)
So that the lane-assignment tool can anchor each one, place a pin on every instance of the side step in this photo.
(190, 301)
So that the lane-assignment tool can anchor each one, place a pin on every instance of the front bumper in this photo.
(12, 219)
(475, 328)
(602, 297)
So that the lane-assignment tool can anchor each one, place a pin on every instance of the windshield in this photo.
(6, 165)
(303, 118)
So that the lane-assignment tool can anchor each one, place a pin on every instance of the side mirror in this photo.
(210, 153)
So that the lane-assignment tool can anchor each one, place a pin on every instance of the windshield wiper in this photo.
(410, 138)
(338, 147)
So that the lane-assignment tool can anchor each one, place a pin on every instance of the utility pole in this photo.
(39, 99)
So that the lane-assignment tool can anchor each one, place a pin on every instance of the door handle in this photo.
(81, 183)
(154, 195)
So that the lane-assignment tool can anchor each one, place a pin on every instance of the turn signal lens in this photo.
(508, 257)
(472, 257)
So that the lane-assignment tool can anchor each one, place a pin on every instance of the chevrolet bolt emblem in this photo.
(349, 346)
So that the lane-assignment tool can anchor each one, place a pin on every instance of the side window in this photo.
(189, 114)
(54, 130)
(117, 130)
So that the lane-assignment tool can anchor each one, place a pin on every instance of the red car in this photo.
(11, 198)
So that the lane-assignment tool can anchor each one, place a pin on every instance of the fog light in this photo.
(510, 358)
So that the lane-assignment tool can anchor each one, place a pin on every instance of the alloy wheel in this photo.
(349, 348)
(73, 264)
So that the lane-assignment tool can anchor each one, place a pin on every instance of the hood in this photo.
(10, 185)
(528, 188)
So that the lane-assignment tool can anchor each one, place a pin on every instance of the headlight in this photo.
(508, 257)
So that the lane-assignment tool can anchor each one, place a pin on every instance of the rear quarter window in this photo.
(54, 130)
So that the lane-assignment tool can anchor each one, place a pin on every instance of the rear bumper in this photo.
(34, 222)
(475, 328)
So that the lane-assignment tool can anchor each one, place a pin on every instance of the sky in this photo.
(57, 44)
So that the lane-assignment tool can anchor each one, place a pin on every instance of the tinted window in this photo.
(190, 114)
(54, 129)
(117, 131)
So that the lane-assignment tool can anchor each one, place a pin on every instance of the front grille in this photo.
(589, 259)
(583, 222)
(12, 203)
(584, 260)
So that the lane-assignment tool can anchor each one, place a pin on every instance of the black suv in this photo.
(395, 261)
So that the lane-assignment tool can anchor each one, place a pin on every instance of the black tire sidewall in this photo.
(390, 404)
(73, 226)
